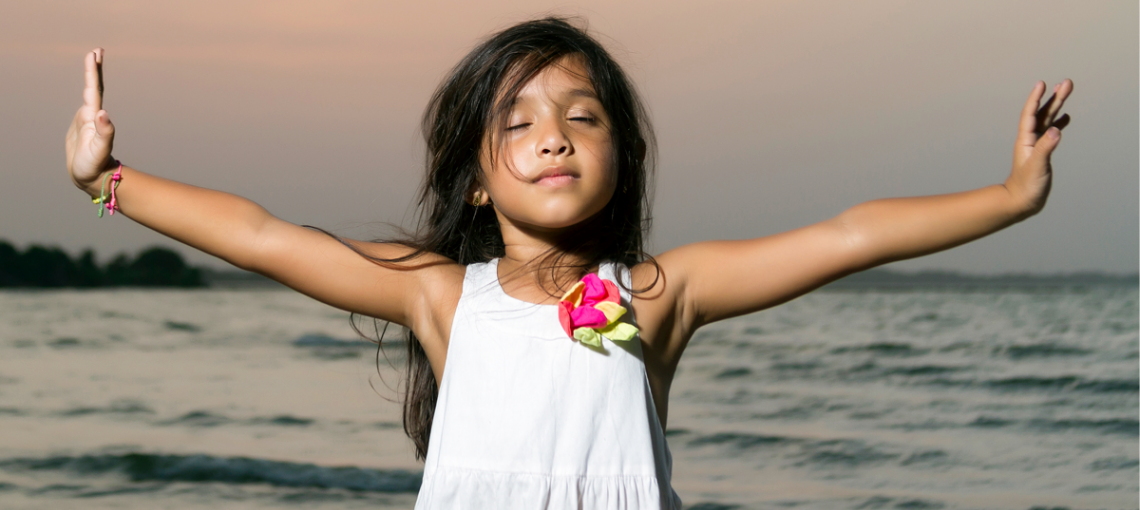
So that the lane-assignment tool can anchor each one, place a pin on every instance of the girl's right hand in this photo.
(91, 135)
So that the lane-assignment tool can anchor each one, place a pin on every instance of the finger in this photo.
(1062, 122)
(1042, 116)
(93, 79)
(99, 68)
(1049, 111)
(1027, 127)
(1062, 92)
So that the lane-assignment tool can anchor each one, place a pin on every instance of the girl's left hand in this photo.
(1038, 134)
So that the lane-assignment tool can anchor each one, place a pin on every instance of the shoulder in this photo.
(440, 281)
(657, 287)
(425, 281)
(663, 294)
(662, 278)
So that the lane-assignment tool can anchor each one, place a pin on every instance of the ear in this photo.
(478, 196)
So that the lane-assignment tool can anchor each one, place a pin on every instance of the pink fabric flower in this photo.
(592, 307)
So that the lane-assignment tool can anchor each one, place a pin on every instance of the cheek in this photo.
(512, 162)
(605, 158)
(502, 171)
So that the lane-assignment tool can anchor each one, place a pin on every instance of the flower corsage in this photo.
(590, 310)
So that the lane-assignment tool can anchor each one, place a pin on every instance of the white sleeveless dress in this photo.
(529, 419)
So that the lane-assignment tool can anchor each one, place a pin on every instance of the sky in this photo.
(769, 115)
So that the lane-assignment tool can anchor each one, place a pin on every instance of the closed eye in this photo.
(590, 120)
(517, 127)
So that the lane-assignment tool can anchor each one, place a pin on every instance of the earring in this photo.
(477, 198)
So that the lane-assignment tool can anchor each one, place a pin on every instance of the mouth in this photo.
(556, 176)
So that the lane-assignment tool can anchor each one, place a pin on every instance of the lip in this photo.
(555, 176)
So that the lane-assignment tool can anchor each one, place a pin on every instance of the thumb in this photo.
(104, 133)
(1048, 141)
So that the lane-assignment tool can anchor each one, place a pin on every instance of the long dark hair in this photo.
(475, 99)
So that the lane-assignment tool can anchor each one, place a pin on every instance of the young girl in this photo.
(542, 339)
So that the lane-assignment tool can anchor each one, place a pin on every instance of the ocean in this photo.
(843, 398)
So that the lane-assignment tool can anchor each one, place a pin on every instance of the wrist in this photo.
(92, 186)
(108, 198)
(1018, 206)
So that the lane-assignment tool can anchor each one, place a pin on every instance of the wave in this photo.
(1114, 464)
(1067, 382)
(730, 373)
(146, 467)
(882, 349)
(198, 419)
(800, 412)
(182, 326)
(208, 419)
(846, 453)
(1124, 426)
(333, 349)
(990, 422)
(322, 341)
(1047, 350)
(1110, 386)
(869, 370)
(877, 502)
(1058, 383)
(830, 453)
(926, 458)
(741, 440)
(64, 343)
(921, 370)
(792, 366)
(118, 407)
(283, 420)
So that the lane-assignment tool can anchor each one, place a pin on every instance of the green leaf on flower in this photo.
(618, 331)
(588, 336)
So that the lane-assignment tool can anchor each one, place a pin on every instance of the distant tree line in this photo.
(40, 266)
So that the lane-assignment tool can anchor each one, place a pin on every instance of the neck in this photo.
(526, 247)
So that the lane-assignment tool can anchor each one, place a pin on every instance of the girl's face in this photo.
(553, 167)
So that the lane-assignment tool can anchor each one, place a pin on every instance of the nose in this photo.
(553, 141)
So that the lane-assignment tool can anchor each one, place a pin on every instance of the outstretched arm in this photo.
(706, 282)
(901, 228)
(235, 229)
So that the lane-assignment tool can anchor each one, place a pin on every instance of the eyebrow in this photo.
(587, 93)
(579, 92)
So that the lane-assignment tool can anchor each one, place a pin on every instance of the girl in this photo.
(543, 341)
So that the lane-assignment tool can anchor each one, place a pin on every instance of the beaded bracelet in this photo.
(113, 204)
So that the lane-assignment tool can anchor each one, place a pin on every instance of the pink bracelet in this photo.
(114, 203)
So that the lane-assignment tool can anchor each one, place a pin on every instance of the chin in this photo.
(572, 221)
(560, 223)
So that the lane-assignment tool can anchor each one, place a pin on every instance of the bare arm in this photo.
(902, 228)
(707, 282)
(238, 230)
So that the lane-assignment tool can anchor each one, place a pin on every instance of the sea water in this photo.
(840, 399)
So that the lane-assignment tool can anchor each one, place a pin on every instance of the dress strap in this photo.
(620, 275)
(480, 277)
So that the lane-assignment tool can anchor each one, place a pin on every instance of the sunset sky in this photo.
(769, 114)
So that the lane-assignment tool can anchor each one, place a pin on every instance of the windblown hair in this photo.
(471, 103)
